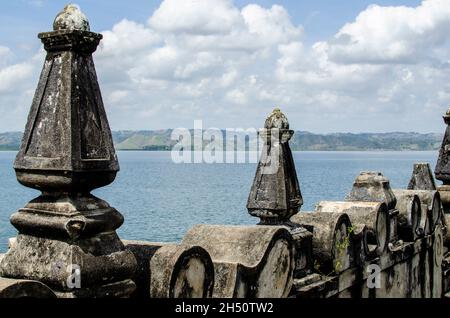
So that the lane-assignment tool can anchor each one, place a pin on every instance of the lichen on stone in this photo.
(71, 18)
(277, 120)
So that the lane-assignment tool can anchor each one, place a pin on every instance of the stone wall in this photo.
(377, 242)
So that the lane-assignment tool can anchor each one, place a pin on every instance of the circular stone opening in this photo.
(190, 281)
(382, 230)
(435, 213)
(438, 248)
(275, 277)
(416, 215)
(342, 245)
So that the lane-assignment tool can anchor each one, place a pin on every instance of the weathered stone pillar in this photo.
(275, 194)
(442, 170)
(67, 236)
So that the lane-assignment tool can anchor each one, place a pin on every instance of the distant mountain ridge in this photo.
(152, 140)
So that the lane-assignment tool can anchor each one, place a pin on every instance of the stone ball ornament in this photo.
(71, 18)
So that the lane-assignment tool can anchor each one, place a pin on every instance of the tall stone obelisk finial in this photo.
(442, 170)
(275, 194)
(66, 152)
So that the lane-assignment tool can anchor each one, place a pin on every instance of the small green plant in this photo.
(341, 248)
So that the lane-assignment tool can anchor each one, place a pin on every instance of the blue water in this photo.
(161, 200)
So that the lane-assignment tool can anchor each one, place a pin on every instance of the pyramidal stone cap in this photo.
(67, 143)
(71, 18)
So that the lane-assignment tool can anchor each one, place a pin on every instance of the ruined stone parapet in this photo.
(412, 220)
(371, 219)
(249, 262)
(66, 152)
(407, 270)
(431, 206)
(172, 270)
(411, 266)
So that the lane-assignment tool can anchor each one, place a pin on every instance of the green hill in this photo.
(302, 140)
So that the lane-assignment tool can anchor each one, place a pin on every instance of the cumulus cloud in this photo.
(228, 65)
(5, 55)
(11, 75)
(393, 34)
(16, 88)
(200, 55)
(196, 17)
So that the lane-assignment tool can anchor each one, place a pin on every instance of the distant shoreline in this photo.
(361, 150)
(161, 140)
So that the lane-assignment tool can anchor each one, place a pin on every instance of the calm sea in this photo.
(161, 200)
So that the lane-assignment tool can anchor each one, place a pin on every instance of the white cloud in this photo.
(393, 34)
(127, 36)
(237, 96)
(5, 55)
(196, 17)
(197, 51)
(12, 75)
(274, 24)
(17, 84)
(386, 70)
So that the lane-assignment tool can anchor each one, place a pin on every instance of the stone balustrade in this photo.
(376, 242)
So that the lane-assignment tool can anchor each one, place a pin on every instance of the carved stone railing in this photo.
(377, 242)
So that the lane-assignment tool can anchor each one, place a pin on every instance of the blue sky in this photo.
(331, 65)
(21, 19)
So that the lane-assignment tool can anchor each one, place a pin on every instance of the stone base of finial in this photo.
(302, 238)
(68, 216)
(71, 267)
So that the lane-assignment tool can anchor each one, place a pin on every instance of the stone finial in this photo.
(442, 170)
(71, 18)
(422, 178)
(447, 117)
(67, 135)
(275, 194)
(372, 187)
(66, 152)
(276, 120)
